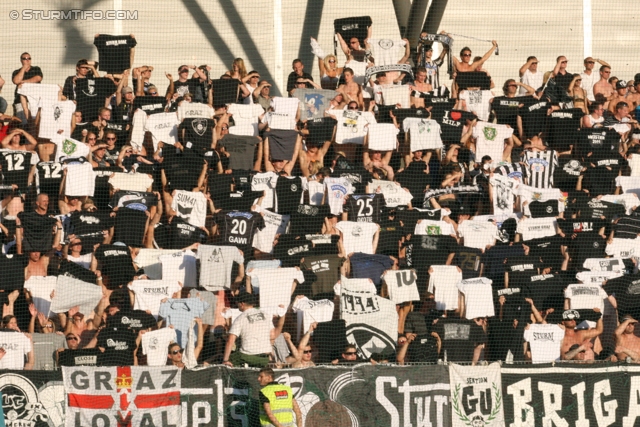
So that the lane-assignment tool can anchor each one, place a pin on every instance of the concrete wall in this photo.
(170, 33)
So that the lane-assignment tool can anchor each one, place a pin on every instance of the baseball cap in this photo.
(621, 84)
(126, 89)
(246, 298)
(570, 315)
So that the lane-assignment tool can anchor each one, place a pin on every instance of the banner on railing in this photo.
(476, 396)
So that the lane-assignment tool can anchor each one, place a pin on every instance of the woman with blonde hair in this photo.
(238, 70)
(329, 71)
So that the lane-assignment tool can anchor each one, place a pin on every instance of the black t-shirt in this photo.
(225, 91)
(198, 134)
(71, 269)
(135, 320)
(565, 177)
(288, 193)
(33, 72)
(563, 128)
(586, 245)
(12, 267)
(469, 260)
(241, 149)
(415, 180)
(356, 175)
(130, 226)
(114, 52)
(37, 231)
(91, 93)
(119, 345)
(390, 234)
(365, 207)
(534, 115)
(494, 261)
(459, 338)
(182, 170)
(15, 168)
(546, 291)
(183, 234)
(439, 105)
(116, 263)
(291, 249)
(626, 290)
(520, 269)
(548, 250)
(320, 130)
(506, 110)
(49, 178)
(308, 219)
(424, 251)
(291, 80)
(548, 208)
(595, 208)
(410, 217)
(149, 104)
(451, 124)
(599, 180)
(599, 141)
(88, 226)
(238, 228)
(627, 227)
(138, 200)
(79, 357)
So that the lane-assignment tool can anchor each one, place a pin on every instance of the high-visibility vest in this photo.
(281, 403)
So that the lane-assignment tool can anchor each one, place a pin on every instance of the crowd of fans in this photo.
(203, 226)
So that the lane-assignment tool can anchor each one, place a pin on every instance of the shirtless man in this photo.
(627, 343)
(313, 153)
(353, 51)
(603, 86)
(634, 97)
(464, 64)
(581, 337)
(620, 95)
(351, 90)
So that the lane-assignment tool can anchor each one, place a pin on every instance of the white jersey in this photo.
(215, 265)
(80, 179)
(530, 194)
(357, 236)
(588, 82)
(545, 341)
(478, 102)
(503, 194)
(382, 136)
(478, 297)
(180, 267)
(148, 259)
(424, 134)
(629, 200)
(137, 129)
(265, 181)
(246, 118)
(585, 296)
(274, 224)
(140, 182)
(316, 192)
(163, 128)
(478, 234)
(634, 164)
(629, 184)
(276, 284)
(443, 283)
(69, 148)
(54, 117)
(82, 260)
(490, 140)
(397, 94)
(604, 264)
(16, 345)
(150, 293)
(536, 228)
(434, 228)
(309, 311)
(253, 327)
(38, 94)
(623, 248)
(40, 288)
(190, 206)
(540, 166)
(337, 189)
(394, 194)
(402, 285)
(188, 110)
(352, 125)
(387, 51)
(155, 345)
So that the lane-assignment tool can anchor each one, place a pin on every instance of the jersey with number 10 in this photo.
(365, 207)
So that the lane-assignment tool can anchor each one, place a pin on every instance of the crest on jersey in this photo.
(199, 126)
(57, 112)
(490, 133)
(69, 146)
(385, 44)
(294, 188)
(356, 232)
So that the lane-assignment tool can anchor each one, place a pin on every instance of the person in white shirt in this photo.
(15, 345)
(589, 78)
(530, 76)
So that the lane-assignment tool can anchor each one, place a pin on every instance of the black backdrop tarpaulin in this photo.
(355, 26)
(607, 396)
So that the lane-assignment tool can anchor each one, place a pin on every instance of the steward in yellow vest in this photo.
(277, 404)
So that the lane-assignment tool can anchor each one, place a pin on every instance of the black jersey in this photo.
(563, 128)
(365, 207)
(198, 134)
(288, 194)
(114, 52)
(534, 115)
(15, 168)
(49, 178)
(506, 110)
(183, 234)
(238, 228)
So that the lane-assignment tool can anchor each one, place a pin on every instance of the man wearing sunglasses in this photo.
(589, 78)
(27, 73)
(76, 356)
(529, 75)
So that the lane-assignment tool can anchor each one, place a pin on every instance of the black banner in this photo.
(579, 395)
(32, 398)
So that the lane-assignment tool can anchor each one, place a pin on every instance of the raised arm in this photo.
(486, 56)
(526, 66)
